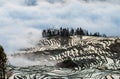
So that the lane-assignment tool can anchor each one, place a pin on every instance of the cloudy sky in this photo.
(21, 21)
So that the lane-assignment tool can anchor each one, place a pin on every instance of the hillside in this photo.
(86, 51)
(58, 55)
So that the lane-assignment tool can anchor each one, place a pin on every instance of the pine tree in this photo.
(44, 33)
(72, 32)
(65, 32)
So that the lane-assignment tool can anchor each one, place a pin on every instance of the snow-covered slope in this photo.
(85, 52)
(92, 57)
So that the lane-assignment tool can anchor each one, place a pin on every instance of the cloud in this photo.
(20, 23)
(14, 38)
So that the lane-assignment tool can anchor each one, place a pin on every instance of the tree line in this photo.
(66, 32)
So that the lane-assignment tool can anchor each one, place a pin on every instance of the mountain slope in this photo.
(76, 51)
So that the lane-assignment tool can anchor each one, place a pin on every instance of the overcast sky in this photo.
(21, 25)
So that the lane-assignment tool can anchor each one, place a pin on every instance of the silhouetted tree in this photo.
(87, 34)
(82, 31)
(65, 32)
(96, 34)
(72, 32)
(104, 35)
(44, 33)
(61, 30)
(49, 34)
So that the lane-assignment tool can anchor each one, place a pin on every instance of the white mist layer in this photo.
(21, 21)
(23, 62)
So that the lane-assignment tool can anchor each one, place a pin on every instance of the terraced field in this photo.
(69, 58)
